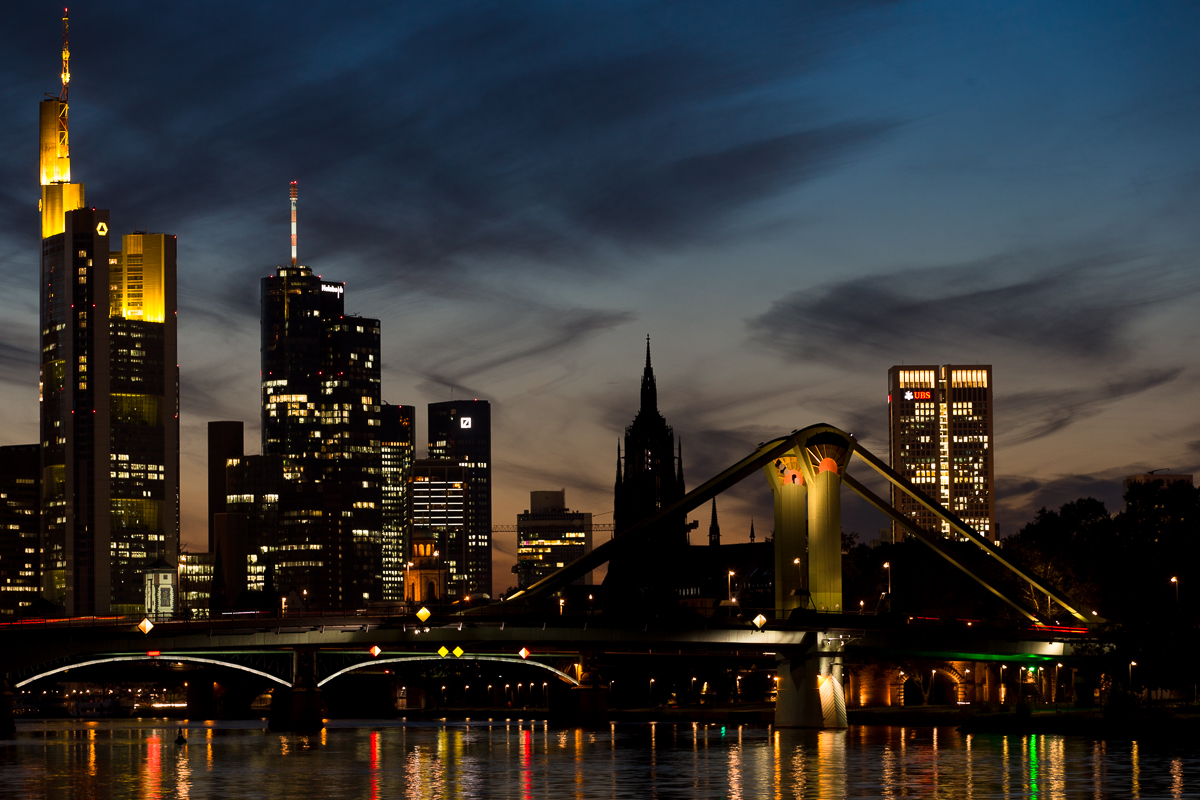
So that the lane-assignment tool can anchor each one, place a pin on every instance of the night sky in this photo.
(789, 198)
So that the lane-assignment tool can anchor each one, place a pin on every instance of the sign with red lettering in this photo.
(918, 394)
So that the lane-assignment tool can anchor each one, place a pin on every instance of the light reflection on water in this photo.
(530, 759)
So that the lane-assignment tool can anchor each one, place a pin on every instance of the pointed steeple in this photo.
(752, 529)
(714, 530)
(649, 387)
(682, 491)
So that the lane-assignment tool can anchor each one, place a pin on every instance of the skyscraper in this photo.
(109, 392)
(460, 431)
(225, 441)
(549, 536)
(398, 437)
(20, 564)
(321, 430)
(940, 425)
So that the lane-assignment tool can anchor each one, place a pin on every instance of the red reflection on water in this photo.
(153, 773)
(374, 759)
(527, 764)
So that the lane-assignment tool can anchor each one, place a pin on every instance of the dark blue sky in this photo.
(788, 197)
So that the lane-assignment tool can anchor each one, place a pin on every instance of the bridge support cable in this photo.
(967, 532)
(631, 537)
(940, 546)
(807, 449)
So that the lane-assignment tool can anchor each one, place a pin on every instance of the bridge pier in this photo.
(307, 712)
(811, 694)
(8, 726)
(201, 702)
(589, 700)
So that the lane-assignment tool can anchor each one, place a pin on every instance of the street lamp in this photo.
(888, 566)
(730, 581)
(561, 603)
(1176, 582)
(652, 691)
(1132, 664)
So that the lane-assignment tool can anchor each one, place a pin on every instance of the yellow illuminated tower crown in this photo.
(59, 195)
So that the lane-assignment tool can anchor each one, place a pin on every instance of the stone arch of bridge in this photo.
(465, 657)
(188, 659)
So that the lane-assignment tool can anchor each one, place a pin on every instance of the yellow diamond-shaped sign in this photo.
(458, 651)
(442, 651)
(760, 620)
(102, 228)
(523, 652)
(424, 614)
(146, 626)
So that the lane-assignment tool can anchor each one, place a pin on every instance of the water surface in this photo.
(531, 759)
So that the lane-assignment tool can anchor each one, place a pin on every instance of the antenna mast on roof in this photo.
(64, 148)
(293, 223)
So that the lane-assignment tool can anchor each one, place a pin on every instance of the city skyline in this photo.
(780, 263)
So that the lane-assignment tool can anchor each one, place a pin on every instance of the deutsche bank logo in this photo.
(464, 422)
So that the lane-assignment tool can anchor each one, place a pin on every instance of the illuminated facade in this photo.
(20, 562)
(549, 537)
(940, 425)
(439, 494)
(321, 444)
(460, 432)
(195, 584)
(398, 438)
(109, 392)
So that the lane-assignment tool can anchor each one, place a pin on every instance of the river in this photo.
(531, 759)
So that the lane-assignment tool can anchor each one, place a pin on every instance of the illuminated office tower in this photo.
(321, 416)
(398, 437)
(20, 564)
(549, 537)
(461, 431)
(940, 425)
(439, 493)
(109, 393)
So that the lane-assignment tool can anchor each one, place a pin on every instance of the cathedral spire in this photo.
(649, 387)
(682, 490)
(714, 530)
(752, 529)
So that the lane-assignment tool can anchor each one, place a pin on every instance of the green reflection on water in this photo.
(1033, 766)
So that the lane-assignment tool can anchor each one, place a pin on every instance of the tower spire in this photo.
(752, 530)
(649, 387)
(64, 147)
(294, 192)
(714, 530)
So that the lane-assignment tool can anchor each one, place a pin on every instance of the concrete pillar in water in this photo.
(307, 708)
(791, 533)
(810, 686)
